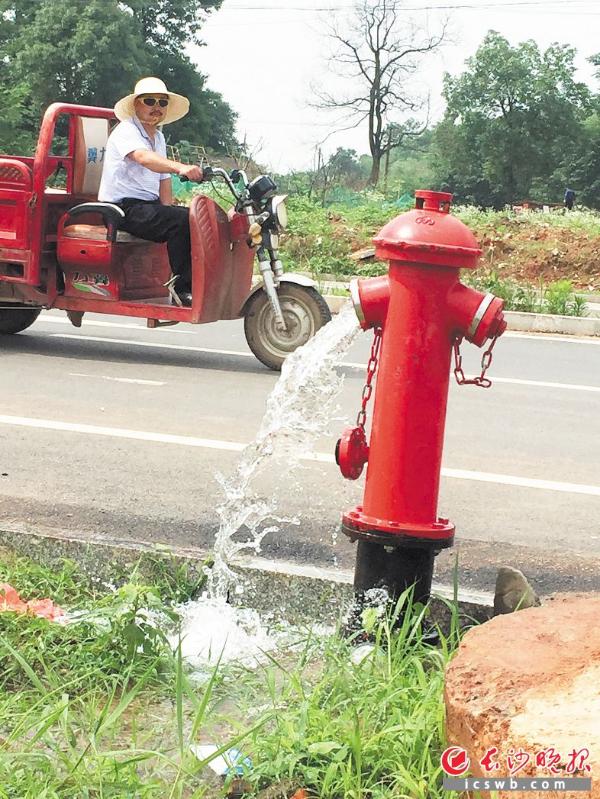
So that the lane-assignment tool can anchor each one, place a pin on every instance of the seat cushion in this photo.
(98, 233)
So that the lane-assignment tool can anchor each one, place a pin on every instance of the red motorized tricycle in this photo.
(61, 248)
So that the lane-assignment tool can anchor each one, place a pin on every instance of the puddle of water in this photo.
(213, 632)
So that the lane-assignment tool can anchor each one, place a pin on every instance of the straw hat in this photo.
(178, 105)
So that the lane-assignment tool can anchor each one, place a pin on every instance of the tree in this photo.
(595, 59)
(580, 168)
(346, 169)
(410, 166)
(381, 55)
(168, 25)
(509, 118)
(79, 52)
(341, 169)
(93, 52)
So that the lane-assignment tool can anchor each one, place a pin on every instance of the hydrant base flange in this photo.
(357, 526)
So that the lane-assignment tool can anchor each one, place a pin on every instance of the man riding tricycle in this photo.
(111, 242)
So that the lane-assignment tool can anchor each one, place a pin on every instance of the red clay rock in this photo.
(529, 681)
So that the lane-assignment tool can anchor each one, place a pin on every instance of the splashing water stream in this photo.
(298, 411)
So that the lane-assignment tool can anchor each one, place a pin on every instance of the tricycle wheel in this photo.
(14, 320)
(304, 311)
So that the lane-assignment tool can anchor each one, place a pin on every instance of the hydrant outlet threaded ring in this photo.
(480, 313)
(355, 295)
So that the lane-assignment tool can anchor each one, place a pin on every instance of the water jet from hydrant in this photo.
(298, 412)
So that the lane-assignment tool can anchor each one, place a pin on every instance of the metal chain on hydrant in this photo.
(361, 419)
(486, 361)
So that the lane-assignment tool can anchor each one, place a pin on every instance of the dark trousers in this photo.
(153, 221)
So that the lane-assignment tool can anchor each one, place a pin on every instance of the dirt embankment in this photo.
(529, 247)
(530, 253)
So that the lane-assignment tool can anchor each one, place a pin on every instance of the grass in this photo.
(106, 708)
(503, 221)
(79, 703)
(319, 241)
(537, 262)
(371, 729)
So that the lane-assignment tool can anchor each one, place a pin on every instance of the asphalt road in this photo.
(521, 462)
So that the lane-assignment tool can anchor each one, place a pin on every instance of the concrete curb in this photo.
(295, 592)
(523, 322)
(548, 323)
(335, 302)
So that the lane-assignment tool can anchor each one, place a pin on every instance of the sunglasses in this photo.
(152, 101)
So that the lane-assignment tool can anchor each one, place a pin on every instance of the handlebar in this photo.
(209, 173)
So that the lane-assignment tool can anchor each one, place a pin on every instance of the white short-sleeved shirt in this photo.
(122, 176)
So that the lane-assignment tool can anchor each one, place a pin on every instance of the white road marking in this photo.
(137, 381)
(321, 457)
(515, 381)
(118, 432)
(542, 384)
(523, 482)
(158, 344)
(553, 337)
(62, 320)
(352, 365)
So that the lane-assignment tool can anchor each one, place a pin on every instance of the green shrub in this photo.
(559, 298)
(556, 298)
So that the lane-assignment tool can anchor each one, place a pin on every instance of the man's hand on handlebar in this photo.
(191, 172)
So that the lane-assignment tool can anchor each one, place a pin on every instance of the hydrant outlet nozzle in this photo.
(352, 452)
(370, 297)
(488, 321)
(433, 200)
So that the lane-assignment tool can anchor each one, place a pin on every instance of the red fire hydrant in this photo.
(420, 312)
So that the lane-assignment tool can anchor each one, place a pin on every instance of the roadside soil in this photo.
(530, 254)
(524, 249)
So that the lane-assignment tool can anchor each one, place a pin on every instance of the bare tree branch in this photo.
(382, 51)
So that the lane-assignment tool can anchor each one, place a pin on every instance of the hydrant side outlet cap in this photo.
(428, 237)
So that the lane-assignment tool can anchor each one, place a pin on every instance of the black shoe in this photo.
(185, 297)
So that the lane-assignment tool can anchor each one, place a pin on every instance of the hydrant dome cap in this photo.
(429, 234)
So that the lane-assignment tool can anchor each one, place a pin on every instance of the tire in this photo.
(304, 310)
(14, 320)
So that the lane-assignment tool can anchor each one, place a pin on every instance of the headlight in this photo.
(279, 210)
